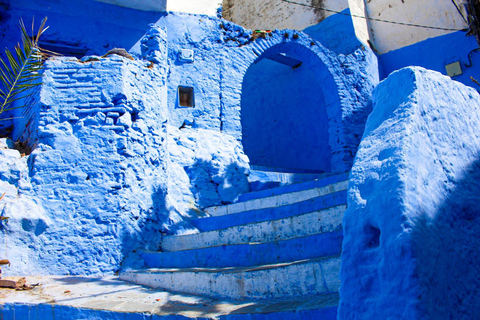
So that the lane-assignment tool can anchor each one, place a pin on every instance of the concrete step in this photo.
(307, 224)
(282, 199)
(309, 247)
(322, 181)
(74, 297)
(288, 205)
(293, 279)
(262, 178)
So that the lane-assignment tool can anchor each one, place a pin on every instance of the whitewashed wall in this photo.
(357, 9)
(387, 36)
(276, 14)
(208, 7)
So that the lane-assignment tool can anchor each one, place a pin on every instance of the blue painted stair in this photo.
(281, 243)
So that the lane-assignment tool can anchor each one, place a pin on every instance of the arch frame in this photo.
(346, 112)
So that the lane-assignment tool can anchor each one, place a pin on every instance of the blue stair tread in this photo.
(293, 187)
(314, 307)
(274, 213)
(309, 247)
(328, 313)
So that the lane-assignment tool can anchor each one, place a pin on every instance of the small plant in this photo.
(21, 71)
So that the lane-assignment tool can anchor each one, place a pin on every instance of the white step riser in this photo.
(276, 201)
(308, 278)
(261, 232)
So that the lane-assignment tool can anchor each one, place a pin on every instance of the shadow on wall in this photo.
(77, 27)
(148, 233)
(447, 252)
(212, 185)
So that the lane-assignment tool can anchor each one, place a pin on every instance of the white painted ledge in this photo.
(304, 225)
(276, 201)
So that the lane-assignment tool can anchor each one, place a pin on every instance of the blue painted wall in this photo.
(348, 79)
(117, 163)
(202, 35)
(411, 226)
(337, 33)
(435, 53)
(77, 26)
(284, 118)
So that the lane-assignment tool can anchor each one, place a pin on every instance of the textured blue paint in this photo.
(226, 221)
(52, 312)
(102, 163)
(117, 163)
(78, 26)
(411, 227)
(435, 53)
(349, 80)
(329, 313)
(315, 246)
(337, 33)
(202, 35)
(284, 118)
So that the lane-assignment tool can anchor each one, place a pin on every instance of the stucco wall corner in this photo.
(410, 225)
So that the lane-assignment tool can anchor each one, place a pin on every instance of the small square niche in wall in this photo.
(186, 55)
(186, 97)
(454, 69)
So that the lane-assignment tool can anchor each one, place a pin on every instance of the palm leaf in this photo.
(21, 70)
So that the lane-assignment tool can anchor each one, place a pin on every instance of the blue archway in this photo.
(283, 110)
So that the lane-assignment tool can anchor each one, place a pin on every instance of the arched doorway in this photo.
(283, 110)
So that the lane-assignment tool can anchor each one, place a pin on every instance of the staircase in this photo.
(279, 248)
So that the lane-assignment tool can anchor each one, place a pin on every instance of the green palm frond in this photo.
(21, 71)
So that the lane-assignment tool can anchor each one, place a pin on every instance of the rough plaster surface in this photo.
(384, 36)
(76, 27)
(275, 14)
(348, 79)
(117, 161)
(108, 174)
(278, 100)
(389, 36)
(337, 33)
(411, 227)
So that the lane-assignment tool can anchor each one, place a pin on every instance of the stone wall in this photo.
(109, 174)
(348, 79)
(117, 161)
(411, 227)
(82, 200)
(390, 36)
(275, 14)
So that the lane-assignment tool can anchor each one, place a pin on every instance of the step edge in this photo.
(233, 270)
(340, 227)
(218, 211)
(327, 207)
(288, 186)
(231, 229)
